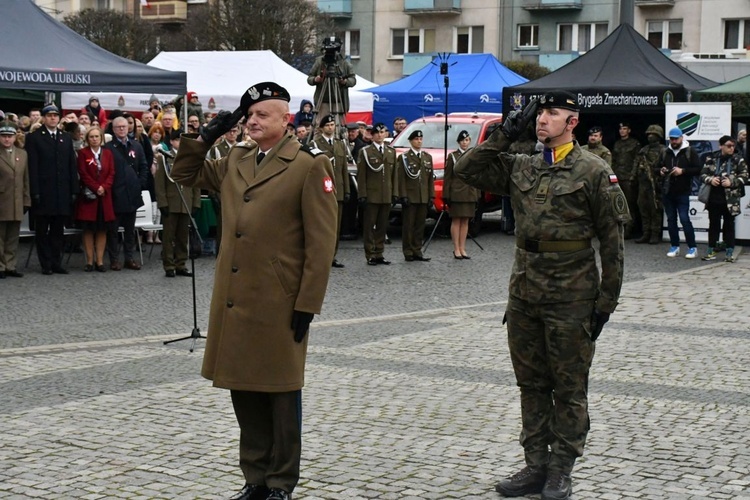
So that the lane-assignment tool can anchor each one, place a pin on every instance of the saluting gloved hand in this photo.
(517, 121)
(300, 324)
(404, 202)
(221, 124)
(598, 320)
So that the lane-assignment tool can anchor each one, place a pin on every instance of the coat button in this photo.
(238, 234)
(230, 303)
(246, 198)
(234, 269)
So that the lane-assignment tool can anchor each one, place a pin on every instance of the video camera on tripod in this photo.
(331, 47)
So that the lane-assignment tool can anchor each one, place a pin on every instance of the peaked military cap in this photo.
(415, 135)
(326, 120)
(50, 108)
(624, 124)
(379, 127)
(8, 128)
(352, 126)
(559, 99)
(462, 135)
(263, 91)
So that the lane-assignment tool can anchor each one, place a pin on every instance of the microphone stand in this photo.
(192, 232)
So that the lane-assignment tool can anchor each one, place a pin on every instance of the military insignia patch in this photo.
(328, 185)
(620, 205)
(254, 94)
(612, 179)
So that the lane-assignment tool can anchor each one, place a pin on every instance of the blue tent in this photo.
(476, 84)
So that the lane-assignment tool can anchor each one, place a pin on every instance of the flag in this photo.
(144, 3)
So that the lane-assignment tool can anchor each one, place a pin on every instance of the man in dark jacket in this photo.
(130, 179)
(678, 166)
(53, 181)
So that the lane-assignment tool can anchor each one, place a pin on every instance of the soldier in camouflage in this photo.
(559, 303)
(649, 191)
(595, 145)
(623, 163)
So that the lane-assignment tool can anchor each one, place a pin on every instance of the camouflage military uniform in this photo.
(623, 163)
(555, 285)
(649, 192)
(415, 184)
(599, 150)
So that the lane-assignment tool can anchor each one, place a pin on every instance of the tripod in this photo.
(192, 232)
(330, 96)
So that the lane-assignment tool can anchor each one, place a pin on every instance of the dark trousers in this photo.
(340, 207)
(374, 227)
(270, 437)
(127, 222)
(717, 212)
(674, 206)
(412, 232)
(174, 250)
(551, 350)
(50, 240)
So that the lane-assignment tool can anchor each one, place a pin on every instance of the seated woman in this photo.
(96, 168)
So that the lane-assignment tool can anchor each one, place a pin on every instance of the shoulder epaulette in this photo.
(246, 145)
(311, 151)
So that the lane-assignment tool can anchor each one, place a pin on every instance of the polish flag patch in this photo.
(612, 179)
(328, 185)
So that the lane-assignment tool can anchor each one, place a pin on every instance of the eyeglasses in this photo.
(729, 146)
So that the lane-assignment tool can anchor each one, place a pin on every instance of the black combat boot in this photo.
(529, 480)
(645, 238)
(558, 486)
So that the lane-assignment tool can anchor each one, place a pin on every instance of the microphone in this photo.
(168, 154)
(548, 139)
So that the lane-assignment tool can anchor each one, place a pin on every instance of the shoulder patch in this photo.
(311, 151)
(245, 145)
(619, 205)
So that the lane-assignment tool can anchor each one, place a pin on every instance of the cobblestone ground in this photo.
(410, 393)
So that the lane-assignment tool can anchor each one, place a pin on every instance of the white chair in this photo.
(144, 219)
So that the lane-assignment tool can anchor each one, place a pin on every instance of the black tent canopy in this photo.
(54, 57)
(622, 74)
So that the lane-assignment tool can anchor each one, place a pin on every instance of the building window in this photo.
(350, 41)
(580, 37)
(665, 34)
(737, 34)
(528, 35)
(469, 40)
(412, 41)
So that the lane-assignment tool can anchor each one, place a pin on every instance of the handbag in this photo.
(704, 192)
(89, 194)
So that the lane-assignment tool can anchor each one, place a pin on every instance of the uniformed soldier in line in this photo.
(335, 150)
(459, 197)
(623, 163)
(649, 188)
(376, 175)
(595, 145)
(271, 276)
(558, 302)
(15, 199)
(174, 216)
(220, 150)
(416, 192)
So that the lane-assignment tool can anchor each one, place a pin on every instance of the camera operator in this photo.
(332, 75)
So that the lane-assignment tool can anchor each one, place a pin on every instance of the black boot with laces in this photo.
(529, 480)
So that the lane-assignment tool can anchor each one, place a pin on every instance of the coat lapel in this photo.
(9, 159)
(276, 161)
(246, 166)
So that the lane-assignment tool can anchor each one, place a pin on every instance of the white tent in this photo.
(220, 77)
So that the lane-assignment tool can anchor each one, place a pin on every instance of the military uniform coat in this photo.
(14, 184)
(415, 178)
(623, 159)
(454, 189)
(335, 152)
(376, 174)
(276, 251)
(166, 190)
(53, 172)
(220, 150)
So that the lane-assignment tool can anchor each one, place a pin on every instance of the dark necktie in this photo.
(380, 149)
(261, 155)
(330, 142)
(54, 136)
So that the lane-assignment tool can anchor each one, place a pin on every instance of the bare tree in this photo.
(116, 32)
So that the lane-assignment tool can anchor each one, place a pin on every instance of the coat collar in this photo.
(8, 159)
(274, 163)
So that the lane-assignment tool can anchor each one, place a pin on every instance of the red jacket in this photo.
(86, 209)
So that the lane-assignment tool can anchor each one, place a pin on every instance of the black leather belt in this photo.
(537, 246)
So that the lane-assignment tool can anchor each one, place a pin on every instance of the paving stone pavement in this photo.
(410, 393)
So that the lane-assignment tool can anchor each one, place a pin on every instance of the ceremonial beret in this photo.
(675, 132)
(462, 135)
(8, 128)
(327, 119)
(352, 126)
(595, 129)
(263, 91)
(559, 99)
(379, 127)
(624, 124)
(415, 134)
(50, 108)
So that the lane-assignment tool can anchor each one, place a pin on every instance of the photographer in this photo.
(332, 75)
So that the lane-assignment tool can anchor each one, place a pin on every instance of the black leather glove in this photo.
(221, 124)
(164, 212)
(517, 121)
(362, 201)
(446, 201)
(598, 320)
(404, 202)
(300, 324)
(347, 197)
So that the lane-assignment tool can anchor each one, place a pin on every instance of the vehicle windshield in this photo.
(434, 134)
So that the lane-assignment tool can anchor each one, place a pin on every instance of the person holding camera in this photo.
(726, 172)
(332, 75)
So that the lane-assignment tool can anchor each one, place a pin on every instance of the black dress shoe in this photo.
(409, 258)
(100, 268)
(528, 481)
(381, 260)
(60, 270)
(372, 262)
(169, 273)
(183, 272)
(46, 272)
(466, 257)
(13, 273)
(251, 492)
(457, 256)
(278, 494)
(337, 264)
(422, 258)
(88, 268)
